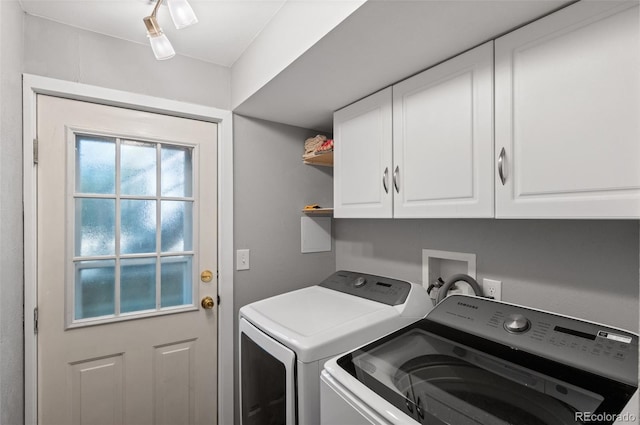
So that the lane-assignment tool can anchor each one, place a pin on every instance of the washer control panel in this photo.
(586, 345)
(376, 288)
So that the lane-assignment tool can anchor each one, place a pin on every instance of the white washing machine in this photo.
(477, 361)
(285, 340)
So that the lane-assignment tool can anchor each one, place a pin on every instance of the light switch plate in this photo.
(242, 259)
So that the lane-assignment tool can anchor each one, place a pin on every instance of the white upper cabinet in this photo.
(439, 160)
(443, 139)
(567, 114)
(363, 158)
(567, 128)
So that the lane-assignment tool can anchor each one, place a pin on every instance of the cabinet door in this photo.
(567, 108)
(443, 139)
(362, 158)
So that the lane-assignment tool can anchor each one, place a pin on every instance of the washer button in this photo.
(360, 281)
(516, 323)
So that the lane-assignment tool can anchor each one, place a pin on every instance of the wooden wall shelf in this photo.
(319, 211)
(324, 159)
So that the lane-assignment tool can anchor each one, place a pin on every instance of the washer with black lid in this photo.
(477, 361)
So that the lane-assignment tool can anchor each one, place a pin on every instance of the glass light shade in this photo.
(181, 13)
(161, 46)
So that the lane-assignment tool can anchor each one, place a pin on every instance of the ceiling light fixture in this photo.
(182, 16)
(160, 44)
(181, 13)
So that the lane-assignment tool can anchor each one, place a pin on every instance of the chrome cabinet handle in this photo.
(385, 180)
(396, 179)
(501, 166)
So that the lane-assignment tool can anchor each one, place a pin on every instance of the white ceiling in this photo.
(225, 28)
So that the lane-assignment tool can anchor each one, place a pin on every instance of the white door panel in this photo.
(362, 158)
(443, 139)
(440, 164)
(174, 379)
(98, 391)
(567, 108)
(141, 351)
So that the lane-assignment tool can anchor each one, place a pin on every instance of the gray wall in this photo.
(11, 342)
(587, 269)
(68, 53)
(271, 185)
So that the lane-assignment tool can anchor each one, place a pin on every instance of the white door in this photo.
(126, 223)
(443, 139)
(362, 161)
(567, 108)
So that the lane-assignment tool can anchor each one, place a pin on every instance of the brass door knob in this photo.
(207, 303)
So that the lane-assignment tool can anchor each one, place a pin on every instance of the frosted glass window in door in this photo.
(95, 226)
(138, 175)
(137, 284)
(177, 226)
(133, 228)
(95, 164)
(177, 171)
(138, 226)
(176, 287)
(95, 289)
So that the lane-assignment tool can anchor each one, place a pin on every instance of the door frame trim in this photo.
(33, 85)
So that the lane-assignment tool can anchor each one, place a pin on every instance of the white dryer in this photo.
(477, 361)
(285, 340)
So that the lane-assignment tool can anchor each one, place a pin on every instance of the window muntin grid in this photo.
(133, 229)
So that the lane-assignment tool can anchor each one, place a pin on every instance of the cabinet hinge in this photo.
(218, 296)
(35, 151)
(35, 320)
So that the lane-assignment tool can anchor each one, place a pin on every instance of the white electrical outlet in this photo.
(242, 259)
(492, 289)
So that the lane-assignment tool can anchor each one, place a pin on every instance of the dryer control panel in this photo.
(376, 288)
(586, 345)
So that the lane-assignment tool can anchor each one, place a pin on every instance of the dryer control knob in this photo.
(516, 323)
(360, 281)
